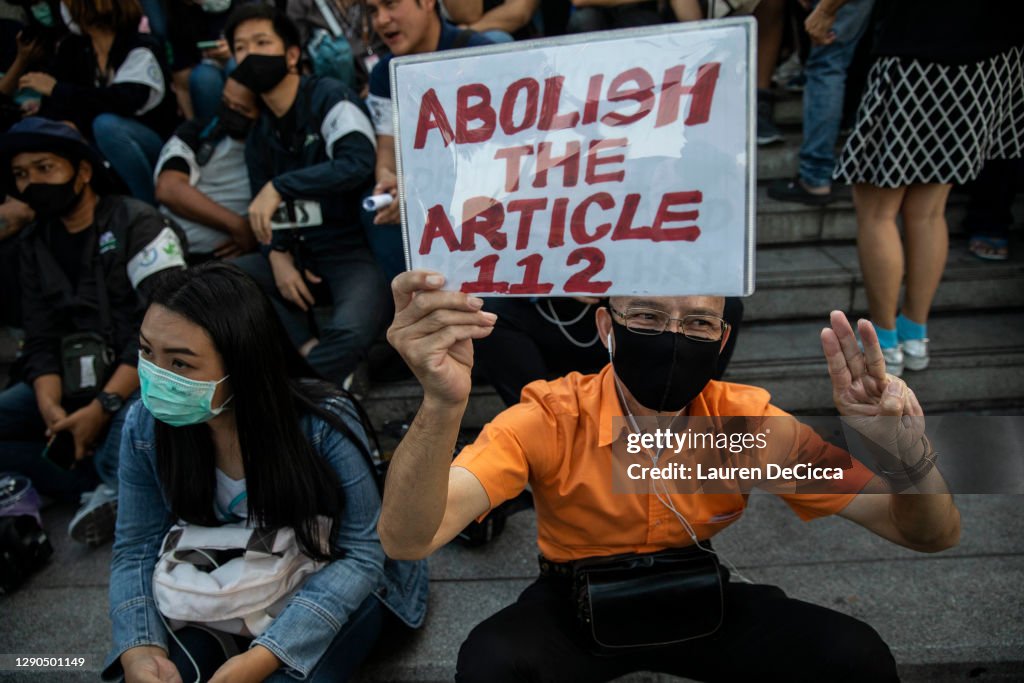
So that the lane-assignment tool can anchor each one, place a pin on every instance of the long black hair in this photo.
(288, 484)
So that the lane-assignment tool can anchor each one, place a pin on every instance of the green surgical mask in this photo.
(43, 14)
(177, 400)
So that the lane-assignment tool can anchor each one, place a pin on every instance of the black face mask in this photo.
(664, 372)
(261, 73)
(51, 200)
(234, 124)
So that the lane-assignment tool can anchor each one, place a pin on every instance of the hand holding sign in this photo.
(433, 332)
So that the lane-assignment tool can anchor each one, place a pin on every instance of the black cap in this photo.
(37, 134)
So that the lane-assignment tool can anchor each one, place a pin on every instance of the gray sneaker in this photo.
(915, 353)
(94, 521)
(893, 360)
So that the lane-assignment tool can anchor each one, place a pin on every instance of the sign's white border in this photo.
(748, 24)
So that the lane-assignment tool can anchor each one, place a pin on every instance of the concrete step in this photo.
(789, 109)
(779, 160)
(944, 615)
(915, 601)
(795, 223)
(796, 282)
(977, 361)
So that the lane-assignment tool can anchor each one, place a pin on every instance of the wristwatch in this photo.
(110, 402)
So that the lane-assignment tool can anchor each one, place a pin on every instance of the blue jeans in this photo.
(386, 244)
(132, 150)
(157, 15)
(346, 652)
(823, 95)
(205, 84)
(22, 441)
(352, 284)
(497, 36)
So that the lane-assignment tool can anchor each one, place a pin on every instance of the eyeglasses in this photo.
(651, 321)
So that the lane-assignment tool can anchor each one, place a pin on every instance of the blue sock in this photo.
(887, 339)
(908, 329)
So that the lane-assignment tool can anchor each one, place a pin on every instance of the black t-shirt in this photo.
(948, 31)
(68, 248)
(285, 125)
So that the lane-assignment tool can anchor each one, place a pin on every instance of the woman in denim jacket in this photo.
(228, 434)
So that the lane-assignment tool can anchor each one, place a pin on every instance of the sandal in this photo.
(989, 248)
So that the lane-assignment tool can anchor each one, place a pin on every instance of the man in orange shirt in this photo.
(560, 439)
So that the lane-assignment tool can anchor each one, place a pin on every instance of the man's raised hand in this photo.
(433, 331)
(878, 405)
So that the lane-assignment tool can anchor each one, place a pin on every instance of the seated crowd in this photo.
(203, 113)
(189, 365)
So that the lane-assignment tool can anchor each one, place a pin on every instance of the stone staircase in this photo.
(948, 617)
(807, 266)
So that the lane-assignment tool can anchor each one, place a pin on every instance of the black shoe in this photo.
(767, 132)
(794, 191)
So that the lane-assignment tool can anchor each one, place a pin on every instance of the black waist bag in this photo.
(87, 363)
(633, 602)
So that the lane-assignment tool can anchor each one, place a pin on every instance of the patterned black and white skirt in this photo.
(922, 122)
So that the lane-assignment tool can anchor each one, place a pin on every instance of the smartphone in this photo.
(61, 451)
(297, 213)
(208, 44)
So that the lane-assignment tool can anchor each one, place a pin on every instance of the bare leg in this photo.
(686, 10)
(927, 237)
(769, 15)
(880, 249)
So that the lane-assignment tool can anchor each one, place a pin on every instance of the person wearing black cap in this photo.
(86, 263)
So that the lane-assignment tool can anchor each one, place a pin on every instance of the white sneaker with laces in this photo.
(915, 354)
(94, 521)
(893, 360)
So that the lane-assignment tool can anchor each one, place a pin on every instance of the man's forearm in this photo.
(830, 6)
(416, 493)
(464, 11)
(928, 521)
(48, 390)
(189, 203)
(510, 16)
(385, 156)
(123, 382)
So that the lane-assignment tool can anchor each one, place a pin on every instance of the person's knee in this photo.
(924, 213)
(585, 20)
(205, 78)
(357, 331)
(490, 654)
(854, 651)
(205, 84)
(107, 128)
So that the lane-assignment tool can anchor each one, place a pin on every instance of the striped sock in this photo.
(908, 329)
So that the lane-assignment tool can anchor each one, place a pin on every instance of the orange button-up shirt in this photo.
(559, 440)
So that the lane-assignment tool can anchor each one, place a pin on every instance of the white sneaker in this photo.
(893, 360)
(94, 521)
(915, 353)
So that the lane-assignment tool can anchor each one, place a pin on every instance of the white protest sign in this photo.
(611, 163)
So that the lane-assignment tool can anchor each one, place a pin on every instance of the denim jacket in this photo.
(302, 632)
